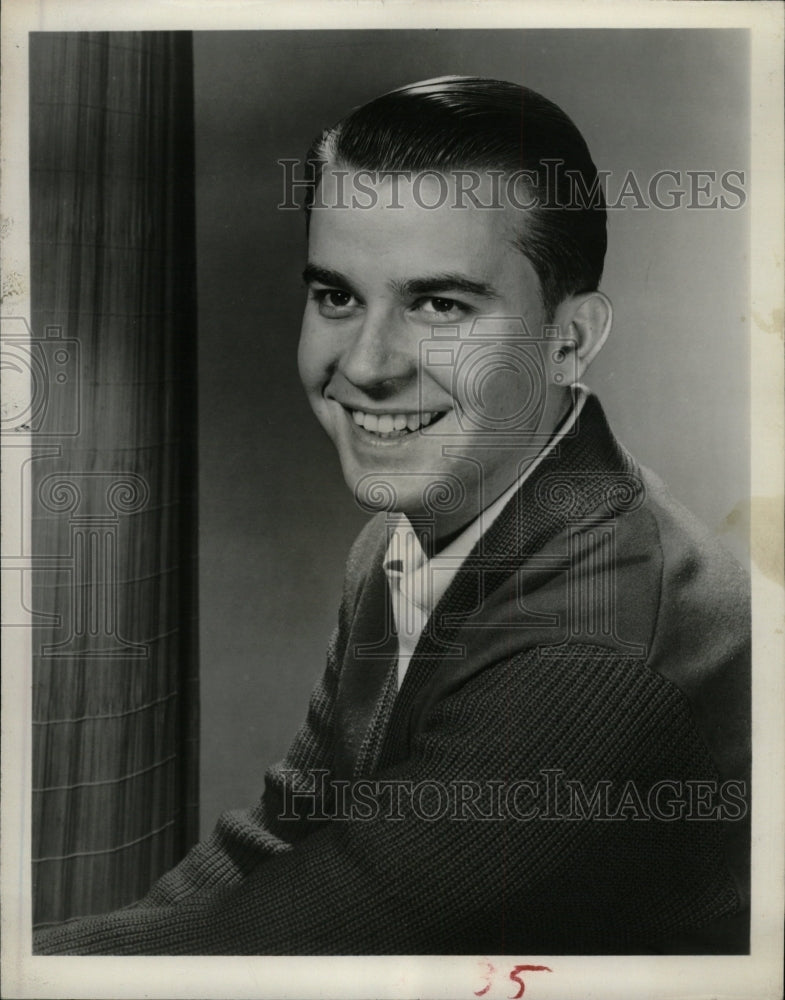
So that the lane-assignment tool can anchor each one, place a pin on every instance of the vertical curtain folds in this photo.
(114, 466)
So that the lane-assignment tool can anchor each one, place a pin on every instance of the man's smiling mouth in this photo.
(391, 425)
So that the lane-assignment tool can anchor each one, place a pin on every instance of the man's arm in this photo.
(409, 874)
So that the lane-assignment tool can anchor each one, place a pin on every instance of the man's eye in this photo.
(334, 301)
(438, 307)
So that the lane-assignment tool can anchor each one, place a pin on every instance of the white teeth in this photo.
(391, 424)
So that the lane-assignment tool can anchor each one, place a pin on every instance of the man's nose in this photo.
(380, 356)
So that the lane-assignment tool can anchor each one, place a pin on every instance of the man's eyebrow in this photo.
(446, 282)
(431, 284)
(325, 276)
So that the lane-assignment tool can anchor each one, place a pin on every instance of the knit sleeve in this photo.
(474, 843)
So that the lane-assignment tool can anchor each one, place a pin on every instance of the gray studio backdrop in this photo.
(275, 518)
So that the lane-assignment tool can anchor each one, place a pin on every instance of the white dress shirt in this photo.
(417, 583)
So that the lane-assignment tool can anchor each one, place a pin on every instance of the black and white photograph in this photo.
(392, 500)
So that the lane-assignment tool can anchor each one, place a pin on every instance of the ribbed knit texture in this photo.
(413, 886)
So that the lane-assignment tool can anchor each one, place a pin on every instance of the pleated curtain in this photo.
(115, 709)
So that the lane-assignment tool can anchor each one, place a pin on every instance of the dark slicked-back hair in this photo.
(465, 123)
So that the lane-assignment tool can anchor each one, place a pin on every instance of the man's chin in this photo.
(420, 495)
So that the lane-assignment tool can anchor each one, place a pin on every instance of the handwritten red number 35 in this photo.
(515, 977)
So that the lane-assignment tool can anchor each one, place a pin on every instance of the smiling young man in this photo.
(532, 735)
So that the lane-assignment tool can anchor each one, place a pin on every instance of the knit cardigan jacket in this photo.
(565, 768)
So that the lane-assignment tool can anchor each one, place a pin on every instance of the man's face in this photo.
(385, 285)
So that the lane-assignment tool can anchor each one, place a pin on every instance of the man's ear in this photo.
(585, 319)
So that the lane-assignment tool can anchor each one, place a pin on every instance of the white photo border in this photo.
(758, 975)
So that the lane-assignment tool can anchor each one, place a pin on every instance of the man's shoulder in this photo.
(626, 568)
(696, 571)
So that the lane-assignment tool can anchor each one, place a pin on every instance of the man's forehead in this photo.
(362, 211)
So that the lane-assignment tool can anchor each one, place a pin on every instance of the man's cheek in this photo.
(500, 390)
(440, 375)
(511, 398)
(303, 366)
(311, 371)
